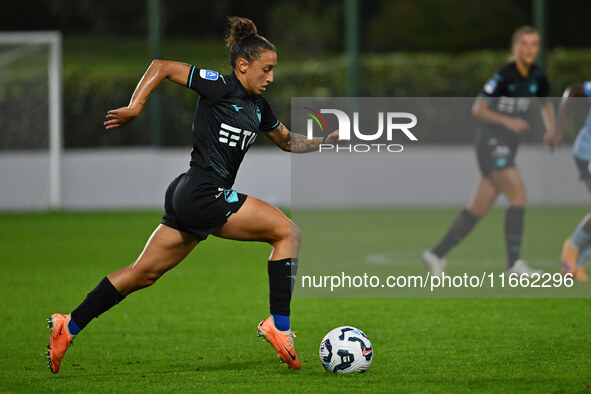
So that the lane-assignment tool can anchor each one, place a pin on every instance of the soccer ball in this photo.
(346, 350)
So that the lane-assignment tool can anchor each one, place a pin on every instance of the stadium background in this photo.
(429, 48)
(408, 48)
(433, 50)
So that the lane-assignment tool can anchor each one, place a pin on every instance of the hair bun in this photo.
(239, 29)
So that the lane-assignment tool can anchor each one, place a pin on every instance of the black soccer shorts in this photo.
(198, 205)
(495, 150)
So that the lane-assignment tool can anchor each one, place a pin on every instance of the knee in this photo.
(518, 200)
(288, 232)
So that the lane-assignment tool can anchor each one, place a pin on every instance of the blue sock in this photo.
(580, 237)
(73, 327)
(281, 322)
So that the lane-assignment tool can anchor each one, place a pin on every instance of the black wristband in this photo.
(324, 139)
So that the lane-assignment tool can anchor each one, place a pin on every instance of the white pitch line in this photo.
(411, 257)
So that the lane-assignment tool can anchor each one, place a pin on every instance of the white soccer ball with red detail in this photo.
(346, 350)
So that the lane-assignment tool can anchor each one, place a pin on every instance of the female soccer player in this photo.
(200, 202)
(500, 107)
(577, 248)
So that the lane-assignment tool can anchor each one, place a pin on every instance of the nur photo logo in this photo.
(389, 125)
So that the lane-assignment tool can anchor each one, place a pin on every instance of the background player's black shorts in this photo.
(495, 150)
(197, 205)
(584, 168)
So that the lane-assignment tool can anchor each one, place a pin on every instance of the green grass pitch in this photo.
(194, 330)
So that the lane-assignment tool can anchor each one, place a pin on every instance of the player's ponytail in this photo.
(242, 39)
(239, 29)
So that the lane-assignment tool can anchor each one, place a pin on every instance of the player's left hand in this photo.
(552, 139)
(333, 138)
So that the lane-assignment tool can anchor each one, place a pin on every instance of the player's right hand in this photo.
(334, 138)
(517, 125)
(120, 117)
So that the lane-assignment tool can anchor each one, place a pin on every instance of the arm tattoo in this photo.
(302, 144)
(288, 141)
(286, 136)
(293, 142)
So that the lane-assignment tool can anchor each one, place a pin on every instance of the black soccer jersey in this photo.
(227, 121)
(509, 93)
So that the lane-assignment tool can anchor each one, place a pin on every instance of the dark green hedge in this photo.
(89, 93)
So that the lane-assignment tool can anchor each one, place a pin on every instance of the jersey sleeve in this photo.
(493, 87)
(268, 119)
(211, 85)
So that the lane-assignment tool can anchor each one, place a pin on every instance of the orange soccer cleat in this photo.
(282, 341)
(59, 340)
(568, 258)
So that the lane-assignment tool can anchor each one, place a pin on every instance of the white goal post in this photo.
(18, 46)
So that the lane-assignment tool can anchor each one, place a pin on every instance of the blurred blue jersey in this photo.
(582, 147)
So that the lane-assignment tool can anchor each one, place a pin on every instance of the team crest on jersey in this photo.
(259, 114)
(533, 88)
(208, 74)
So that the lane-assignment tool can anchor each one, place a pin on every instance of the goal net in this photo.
(30, 120)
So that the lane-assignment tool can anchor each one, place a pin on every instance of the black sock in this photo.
(513, 233)
(282, 275)
(99, 300)
(458, 230)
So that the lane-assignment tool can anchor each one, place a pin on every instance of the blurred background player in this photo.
(229, 113)
(577, 248)
(501, 107)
